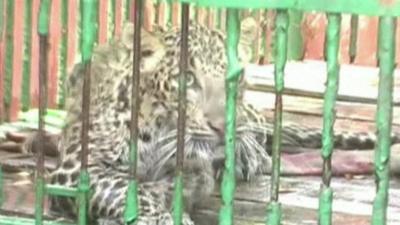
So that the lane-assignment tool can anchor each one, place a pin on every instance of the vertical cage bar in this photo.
(183, 66)
(274, 213)
(386, 51)
(264, 26)
(219, 15)
(2, 18)
(63, 52)
(332, 50)
(97, 16)
(295, 37)
(156, 6)
(26, 71)
(1, 186)
(234, 71)
(89, 13)
(8, 72)
(43, 30)
(169, 13)
(208, 16)
(111, 19)
(127, 7)
(196, 13)
(353, 37)
(131, 204)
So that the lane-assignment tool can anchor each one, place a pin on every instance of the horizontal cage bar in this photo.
(363, 7)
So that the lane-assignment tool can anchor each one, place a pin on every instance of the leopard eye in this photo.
(190, 78)
(147, 53)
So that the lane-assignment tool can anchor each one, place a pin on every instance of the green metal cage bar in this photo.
(263, 46)
(111, 19)
(353, 38)
(61, 191)
(156, 6)
(218, 15)
(169, 13)
(368, 7)
(332, 50)
(1, 187)
(231, 84)
(295, 37)
(8, 72)
(386, 54)
(13, 220)
(26, 72)
(2, 13)
(127, 9)
(386, 51)
(196, 13)
(274, 213)
(63, 57)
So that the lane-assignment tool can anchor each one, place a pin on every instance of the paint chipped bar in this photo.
(386, 56)
(332, 85)
(364, 7)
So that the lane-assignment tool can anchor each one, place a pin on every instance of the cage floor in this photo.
(299, 197)
(353, 195)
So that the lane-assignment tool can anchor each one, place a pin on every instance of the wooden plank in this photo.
(309, 107)
(352, 203)
(308, 77)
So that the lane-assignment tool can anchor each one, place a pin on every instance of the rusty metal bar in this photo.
(85, 115)
(43, 31)
(131, 206)
(135, 87)
(182, 104)
(353, 38)
(89, 10)
(183, 66)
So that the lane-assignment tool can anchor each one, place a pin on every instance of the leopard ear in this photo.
(248, 35)
(127, 34)
(152, 50)
(152, 47)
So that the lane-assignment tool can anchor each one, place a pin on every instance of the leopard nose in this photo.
(218, 127)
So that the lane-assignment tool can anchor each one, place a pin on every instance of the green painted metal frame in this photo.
(386, 51)
(232, 76)
(2, 18)
(26, 73)
(9, 52)
(387, 30)
(89, 20)
(386, 59)
(63, 57)
(353, 37)
(131, 212)
(274, 211)
(361, 7)
(332, 51)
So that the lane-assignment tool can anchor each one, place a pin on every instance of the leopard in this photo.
(204, 130)
(108, 134)
(110, 105)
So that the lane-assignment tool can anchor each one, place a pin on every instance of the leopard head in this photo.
(205, 115)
